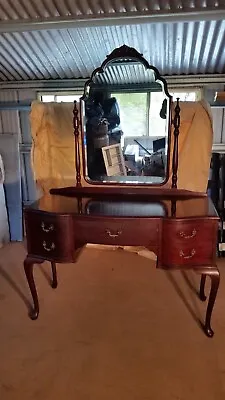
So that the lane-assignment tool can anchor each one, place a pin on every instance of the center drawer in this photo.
(118, 231)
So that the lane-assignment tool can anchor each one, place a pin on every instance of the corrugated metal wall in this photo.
(15, 144)
(218, 114)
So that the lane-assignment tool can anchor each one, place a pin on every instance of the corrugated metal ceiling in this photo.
(32, 9)
(175, 48)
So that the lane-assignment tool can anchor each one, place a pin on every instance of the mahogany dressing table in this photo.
(179, 226)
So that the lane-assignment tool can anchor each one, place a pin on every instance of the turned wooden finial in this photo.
(77, 147)
(176, 123)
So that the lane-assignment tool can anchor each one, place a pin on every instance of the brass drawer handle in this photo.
(193, 252)
(113, 235)
(192, 235)
(52, 247)
(47, 229)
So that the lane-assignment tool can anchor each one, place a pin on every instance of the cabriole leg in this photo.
(54, 283)
(202, 288)
(28, 268)
(215, 281)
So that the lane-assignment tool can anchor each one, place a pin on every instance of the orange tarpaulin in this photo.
(53, 159)
(195, 146)
(53, 156)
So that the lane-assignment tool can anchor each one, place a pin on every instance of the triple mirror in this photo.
(126, 122)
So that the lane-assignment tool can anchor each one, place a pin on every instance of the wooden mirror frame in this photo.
(122, 189)
(130, 53)
(126, 55)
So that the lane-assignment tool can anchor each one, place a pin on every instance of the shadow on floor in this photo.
(195, 312)
(14, 286)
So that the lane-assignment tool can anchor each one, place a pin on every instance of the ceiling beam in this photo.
(127, 18)
(76, 84)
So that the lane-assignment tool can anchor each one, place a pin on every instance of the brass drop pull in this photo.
(113, 235)
(182, 254)
(192, 235)
(52, 246)
(47, 229)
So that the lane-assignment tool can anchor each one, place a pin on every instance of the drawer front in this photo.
(49, 236)
(120, 231)
(188, 242)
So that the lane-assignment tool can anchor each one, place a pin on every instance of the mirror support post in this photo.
(176, 124)
(77, 147)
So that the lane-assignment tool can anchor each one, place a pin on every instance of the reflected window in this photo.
(139, 113)
(133, 113)
(156, 119)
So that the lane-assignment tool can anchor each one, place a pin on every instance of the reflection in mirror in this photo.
(127, 115)
(126, 209)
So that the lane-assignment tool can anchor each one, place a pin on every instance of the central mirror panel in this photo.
(126, 122)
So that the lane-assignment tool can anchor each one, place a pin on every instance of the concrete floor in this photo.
(115, 329)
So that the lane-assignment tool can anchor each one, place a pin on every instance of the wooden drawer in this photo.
(188, 243)
(49, 236)
(118, 231)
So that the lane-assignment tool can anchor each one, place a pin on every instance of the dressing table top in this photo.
(106, 206)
